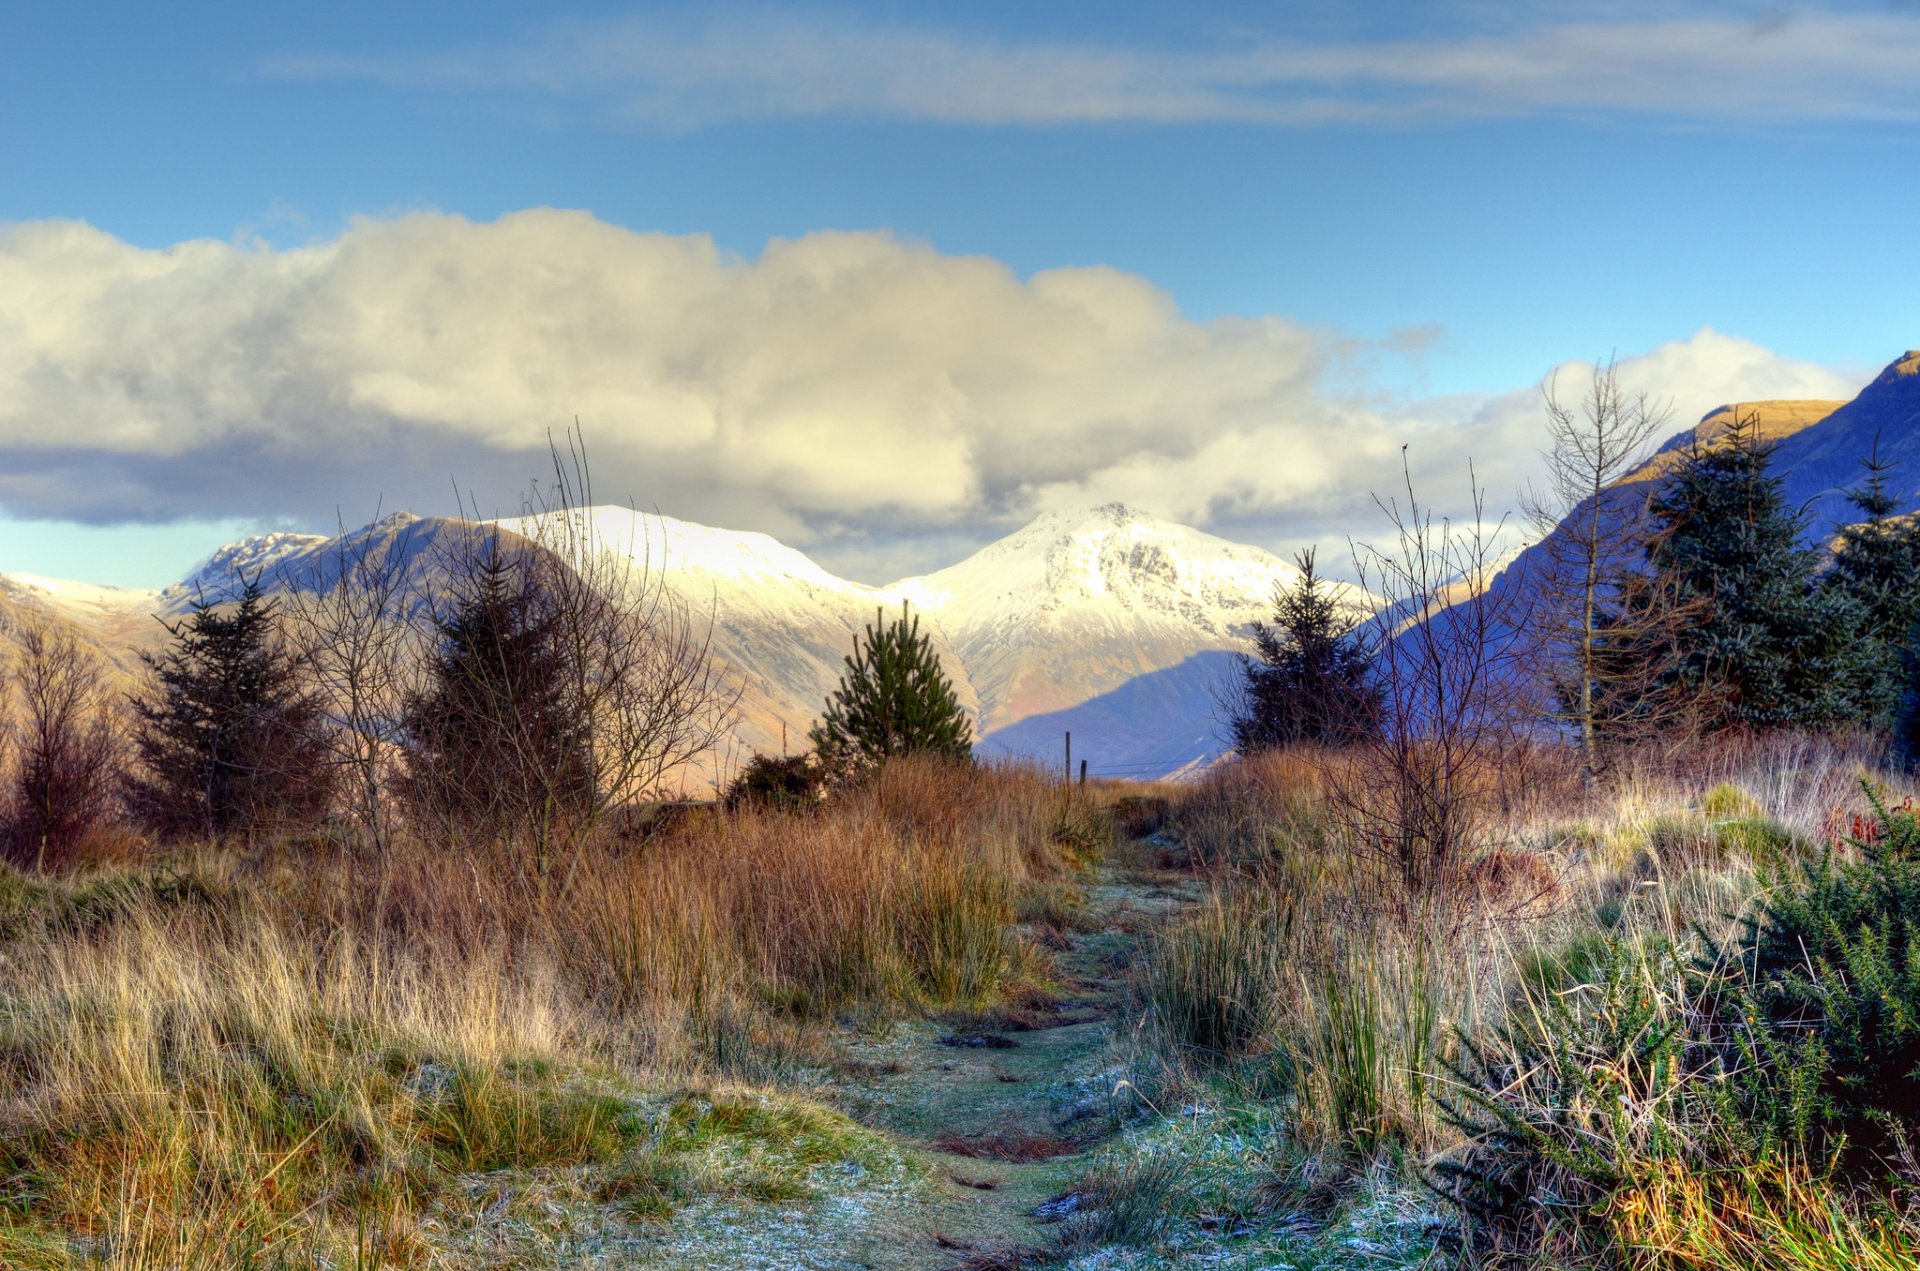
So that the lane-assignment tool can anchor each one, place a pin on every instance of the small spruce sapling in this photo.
(894, 699)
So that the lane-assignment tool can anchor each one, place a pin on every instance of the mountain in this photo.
(1061, 614)
(114, 622)
(1818, 448)
(1105, 621)
(778, 621)
(1822, 462)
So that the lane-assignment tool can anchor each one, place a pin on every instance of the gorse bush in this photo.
(786, 782)
(1785, 1062)
(1831, 968)
(1560, 1099)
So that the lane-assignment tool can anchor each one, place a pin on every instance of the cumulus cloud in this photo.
(870, 399)
(838, 379)
(1696, 65)
(1313, 478)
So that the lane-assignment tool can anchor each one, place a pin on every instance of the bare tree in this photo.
(1588, 531)
(347, 618)
(1419, 793)
(570, 680)
(68, 740)
(637, 657)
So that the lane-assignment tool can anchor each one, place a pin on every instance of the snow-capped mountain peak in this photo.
(1110, 558)
(1130, 594)
(256, 556)
(666, 543)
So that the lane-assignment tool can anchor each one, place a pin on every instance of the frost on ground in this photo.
(733, 1180)
(1207, 1190)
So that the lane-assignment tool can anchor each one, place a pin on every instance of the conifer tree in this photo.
(228, 741)
(1765, 649)
(893, 699)
(1874, 586)
(1310, 679)
(495, 743)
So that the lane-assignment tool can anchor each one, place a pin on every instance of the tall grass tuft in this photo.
(1212, 980)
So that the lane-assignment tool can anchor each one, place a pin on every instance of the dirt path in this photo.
(1004, 1108)
(993, 1116)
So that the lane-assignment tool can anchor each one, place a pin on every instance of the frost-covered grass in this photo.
(302, 1054)
(1323, 1018)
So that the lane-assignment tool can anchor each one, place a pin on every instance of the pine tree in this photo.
(1310, 679)
(495, 744)
(1874, 585)
(228, 741)
(893, 699)
(1764, 648)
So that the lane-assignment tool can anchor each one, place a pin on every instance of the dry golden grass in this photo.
(1311, 966)
(287, 1053)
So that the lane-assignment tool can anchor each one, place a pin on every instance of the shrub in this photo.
(1832, 967)
(65, 780)
(1561, 1098)
(790, 783)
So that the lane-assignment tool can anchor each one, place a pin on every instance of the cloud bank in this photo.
(871, 399)
(1806, 65)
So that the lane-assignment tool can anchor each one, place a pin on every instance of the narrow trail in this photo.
(1006, 1107)
(994, 1115)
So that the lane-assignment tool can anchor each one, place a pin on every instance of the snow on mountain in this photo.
(779, 622)
(1069, 609)
(107, 604)
(258, 555)
(1107, 612)
(111, 621)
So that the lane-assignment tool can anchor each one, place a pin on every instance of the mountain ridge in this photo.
(1056, 617)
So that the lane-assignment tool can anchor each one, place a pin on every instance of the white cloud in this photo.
(873, 400)
(1707, 65)
(838, 378)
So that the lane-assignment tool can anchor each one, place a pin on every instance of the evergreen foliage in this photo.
(1311, 677)
(1763, 647)
(893, 699)
(228, 741)
(1797, 1043)
(787, 783)
(496, 742)
(1874, 585)
(1833, 960)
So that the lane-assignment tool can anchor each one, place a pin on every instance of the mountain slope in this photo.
(1819, 445)
(1075, 605)
(779, 622)
(1058, 617)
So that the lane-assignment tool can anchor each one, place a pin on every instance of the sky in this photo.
(885, 280)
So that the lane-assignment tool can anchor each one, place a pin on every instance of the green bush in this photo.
(1572, 1086)
(1831, 968)
(789, 783)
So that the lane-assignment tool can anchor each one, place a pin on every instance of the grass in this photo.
(301, 1054)
(296, 1054)
(1379, 1008)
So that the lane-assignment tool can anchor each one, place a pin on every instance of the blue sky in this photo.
(1316, 231)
